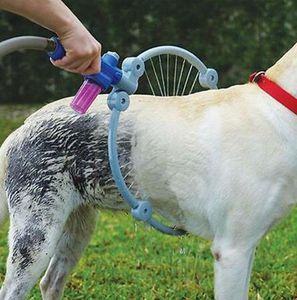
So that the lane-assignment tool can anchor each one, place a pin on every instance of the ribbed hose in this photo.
(26, 42)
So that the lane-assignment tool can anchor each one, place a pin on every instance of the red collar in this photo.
(274, 90)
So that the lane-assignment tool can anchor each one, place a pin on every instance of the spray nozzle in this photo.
(94, 84)
(125, 79)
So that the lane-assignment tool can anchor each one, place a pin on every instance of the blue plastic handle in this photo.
(59, 51)
(110, 74)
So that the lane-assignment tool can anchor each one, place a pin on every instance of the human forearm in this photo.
(82, 50)
(51, 14)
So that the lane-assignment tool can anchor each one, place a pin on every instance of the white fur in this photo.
(3, 167)
(221, 164)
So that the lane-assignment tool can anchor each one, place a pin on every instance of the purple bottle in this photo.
(85, 96)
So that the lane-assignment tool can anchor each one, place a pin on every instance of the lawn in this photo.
(127, 260)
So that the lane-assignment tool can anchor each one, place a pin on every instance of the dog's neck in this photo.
(284, 71)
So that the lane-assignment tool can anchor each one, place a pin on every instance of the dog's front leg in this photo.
(233, 267)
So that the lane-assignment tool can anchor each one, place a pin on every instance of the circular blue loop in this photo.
(143, 212)
(118, 101)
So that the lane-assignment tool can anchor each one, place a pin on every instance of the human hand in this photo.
(83, 51)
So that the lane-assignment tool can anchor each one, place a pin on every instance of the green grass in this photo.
(126, 260)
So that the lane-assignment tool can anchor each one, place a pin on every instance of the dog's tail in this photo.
(3, 173)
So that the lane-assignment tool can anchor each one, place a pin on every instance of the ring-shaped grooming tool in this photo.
(133, 68)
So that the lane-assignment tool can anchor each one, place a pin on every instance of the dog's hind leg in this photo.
(233, 267)
(35, 229)
(76, 235)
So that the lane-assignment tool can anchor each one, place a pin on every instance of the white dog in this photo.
(221, 164)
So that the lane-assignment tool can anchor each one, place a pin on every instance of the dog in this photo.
(220, 164)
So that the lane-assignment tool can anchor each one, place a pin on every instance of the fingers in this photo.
(83, 52)
(77, 66)
(83, 62)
